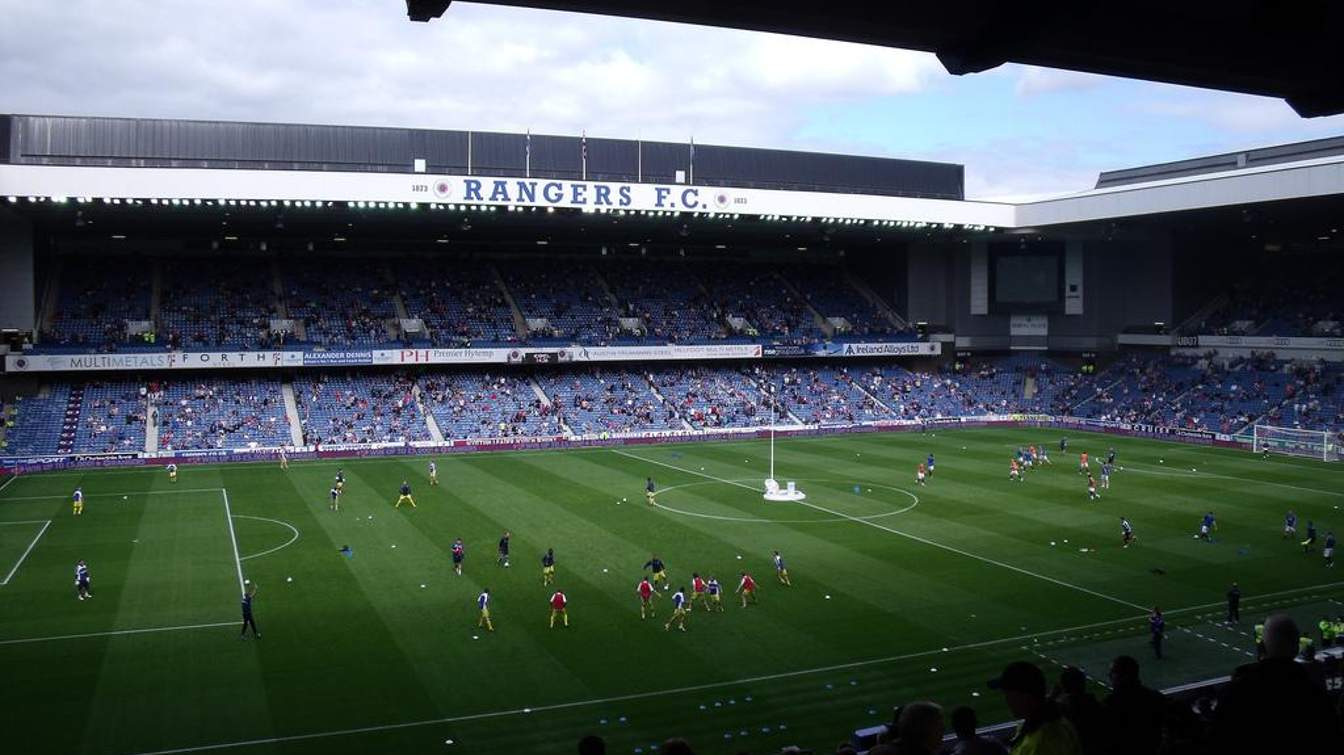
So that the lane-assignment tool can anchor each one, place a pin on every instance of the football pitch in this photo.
(899, 592)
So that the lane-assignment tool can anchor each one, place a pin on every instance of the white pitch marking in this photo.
(111, 495)
(115, 633)
(269, 551)
(916, 538)
(26, 551)
(8, 482)
(238, 562)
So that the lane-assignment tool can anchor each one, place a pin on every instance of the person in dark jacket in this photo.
(1134, 714)
(1276, 704)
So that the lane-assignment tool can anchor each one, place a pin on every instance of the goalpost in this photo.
(1291, 441)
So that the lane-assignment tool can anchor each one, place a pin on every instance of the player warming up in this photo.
(172, 472)
(1014, 472)
(335, 504)
(82, 580)
(658, 570)
(340, 480)
(920, 474)
(405, 496)
(646, 595)
(459, 552)
(1311, 538)
(699, 591)
(715, 595)
(1044, 455)
(747, 589)
(1106, 476)
(781, 571)
(1329, 550)
(1289, 524)
(1092, 489)
(678, 611)
(483, 603)
(1126, 533)
(1206, 528)
(433, 474)
(929, 462)
(548, 567)
(650, 490)
(1083, 467)
(503, 559)
(77, 501)
(559, 607)
(284, 458)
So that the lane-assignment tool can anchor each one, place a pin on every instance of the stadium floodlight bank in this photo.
(1291, 441)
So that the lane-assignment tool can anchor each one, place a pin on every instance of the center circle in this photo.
(761, 520)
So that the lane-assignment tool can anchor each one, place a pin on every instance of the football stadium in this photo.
(523, 443)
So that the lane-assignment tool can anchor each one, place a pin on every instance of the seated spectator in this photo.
(1043, 730)
(592, 745)
(968, 742)
(1276, 704)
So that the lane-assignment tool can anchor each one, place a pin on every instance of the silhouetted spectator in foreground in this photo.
(968, 742)
(592, 745)
(919, 729)
(1275, 705)
(1080, 707)
(1134, 713)
(676, 746)
(1043, 731)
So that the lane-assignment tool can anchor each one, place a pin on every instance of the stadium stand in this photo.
(97, 296)
(111, 417)
(208, 303)
(568, 296)
(667, 297)
(760, 296)
(598, 401)
(487, 405)
(819, 395)
(220, 414)
(37, 423)
(359, 408)
(461, 304)
(830, 293)
(713, 397)
(339, 301)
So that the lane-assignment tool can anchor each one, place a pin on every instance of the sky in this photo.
(1020, 131)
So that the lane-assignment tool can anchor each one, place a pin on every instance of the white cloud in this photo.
(1033, 80)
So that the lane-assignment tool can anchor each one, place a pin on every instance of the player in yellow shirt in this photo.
(405, 496)
(548, 567)
(172, 473)
(77, 501)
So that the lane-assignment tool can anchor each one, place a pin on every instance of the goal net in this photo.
(1314, 444)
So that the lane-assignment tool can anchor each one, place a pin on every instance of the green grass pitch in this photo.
(899, 592)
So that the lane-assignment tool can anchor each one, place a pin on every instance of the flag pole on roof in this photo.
(691, 176)
(583, 151)
(528, 169)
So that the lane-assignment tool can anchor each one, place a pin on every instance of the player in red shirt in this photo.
(698, 591)
(1014, 473)
(920, 473)
(1092, 489)
(646, 595)
(1082, 464)
(558, 608)
(747, 589)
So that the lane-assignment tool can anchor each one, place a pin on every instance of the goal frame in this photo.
(1293, 441)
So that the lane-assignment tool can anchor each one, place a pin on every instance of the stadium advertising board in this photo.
(518, 355)
(168, 360)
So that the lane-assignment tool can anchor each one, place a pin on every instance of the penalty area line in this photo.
(26, 551)
(116, 633)
(907, 535)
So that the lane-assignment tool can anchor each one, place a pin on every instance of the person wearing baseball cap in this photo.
(1043, 731)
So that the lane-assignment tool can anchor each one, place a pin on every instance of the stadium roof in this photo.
(50, 159)
(1276, 49)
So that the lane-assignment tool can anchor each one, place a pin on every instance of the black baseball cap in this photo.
(1020, 676)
